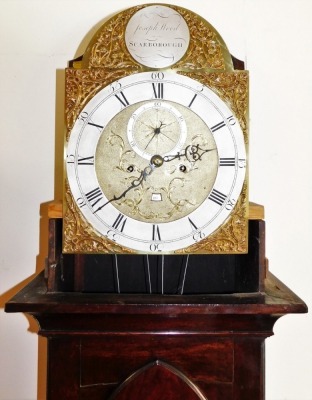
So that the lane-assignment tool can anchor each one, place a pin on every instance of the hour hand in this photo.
(192, 153)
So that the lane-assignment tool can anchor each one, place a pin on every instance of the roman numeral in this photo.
(217, 126)
(120, 222)
(96, 125)
(158, 89)
(192, 101)
(197, 234)
(94, 196)
(122, 98)
(156, 233)
(227, 162)
(217, 197)
(192, 224)
(222, 124)
(86, 160)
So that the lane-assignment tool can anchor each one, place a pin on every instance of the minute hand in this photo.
(192, 153)
(135, 183)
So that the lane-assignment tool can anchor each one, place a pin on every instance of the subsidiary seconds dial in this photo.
(156, 127)
(156, 162)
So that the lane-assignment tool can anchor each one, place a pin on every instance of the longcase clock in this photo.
(156, 284)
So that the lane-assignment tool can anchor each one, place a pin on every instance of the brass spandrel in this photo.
(78, 235)
(81, 86)
(232, 88)
(230, 238)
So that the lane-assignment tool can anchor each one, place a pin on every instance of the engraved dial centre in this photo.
(156, 161)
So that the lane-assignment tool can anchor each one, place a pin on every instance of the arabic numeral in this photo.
(83, 116)
(157, 75)
(80, 202)
(198, 236)
(115, 86)
(232, 120)
(230, 204)
(156, 247)
(242, 163)
(70, 159)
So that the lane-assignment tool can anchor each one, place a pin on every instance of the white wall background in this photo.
(37, 38)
